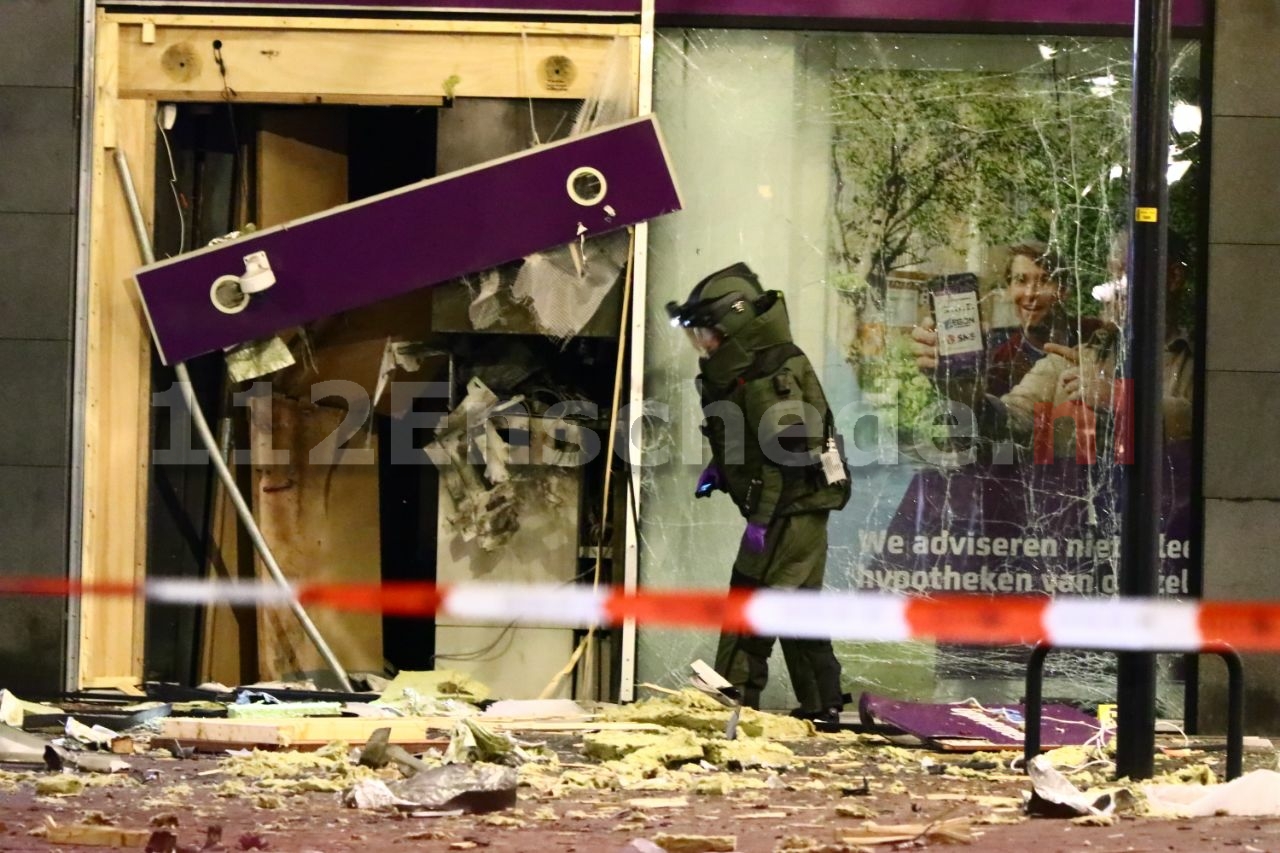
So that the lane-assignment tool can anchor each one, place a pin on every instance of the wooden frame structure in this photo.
(143, 60)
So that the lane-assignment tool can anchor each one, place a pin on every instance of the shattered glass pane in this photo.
(852, 172)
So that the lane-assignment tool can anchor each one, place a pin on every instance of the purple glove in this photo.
(711, 480)
(753, 538)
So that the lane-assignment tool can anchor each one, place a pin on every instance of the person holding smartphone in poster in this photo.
(775, 452)
(1036, 283)
(1088, 372)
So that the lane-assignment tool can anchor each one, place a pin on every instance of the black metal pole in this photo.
(1033, 702)
(1235, 713)
(1148, 251)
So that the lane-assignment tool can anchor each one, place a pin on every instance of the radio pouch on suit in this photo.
(833, 463)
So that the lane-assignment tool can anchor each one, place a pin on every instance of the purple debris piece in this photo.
(1001, 725)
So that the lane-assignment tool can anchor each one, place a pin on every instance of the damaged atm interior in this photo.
(439, 436)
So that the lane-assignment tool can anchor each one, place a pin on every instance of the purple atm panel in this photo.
(420, 235)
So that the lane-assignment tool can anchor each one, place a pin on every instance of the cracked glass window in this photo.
(945, 217)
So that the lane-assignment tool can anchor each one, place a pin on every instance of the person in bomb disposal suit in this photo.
(775, 452)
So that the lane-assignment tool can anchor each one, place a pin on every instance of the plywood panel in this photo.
(229, 646)
(302, 163)
(318, 510)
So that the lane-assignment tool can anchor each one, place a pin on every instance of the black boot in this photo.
(823, 721)
(828, 720)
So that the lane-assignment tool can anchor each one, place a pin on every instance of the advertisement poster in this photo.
(947, 218)
(1018, 457)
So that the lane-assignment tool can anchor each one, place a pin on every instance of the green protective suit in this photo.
(766, 420)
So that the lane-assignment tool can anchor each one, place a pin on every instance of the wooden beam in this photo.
(339, 66)
(117, 412)
(378, 25)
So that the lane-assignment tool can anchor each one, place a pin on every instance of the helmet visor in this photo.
(704, 340)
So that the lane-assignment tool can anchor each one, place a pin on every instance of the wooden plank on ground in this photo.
(317, 731)
(285, 733)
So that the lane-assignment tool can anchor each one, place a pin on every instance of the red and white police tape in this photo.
(1101, 623)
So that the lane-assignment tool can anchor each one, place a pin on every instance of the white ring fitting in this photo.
(579, 198)
(227, 281)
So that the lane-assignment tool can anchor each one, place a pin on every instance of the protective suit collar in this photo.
(771, 326)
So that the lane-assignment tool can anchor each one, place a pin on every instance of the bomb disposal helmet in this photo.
(724, 301)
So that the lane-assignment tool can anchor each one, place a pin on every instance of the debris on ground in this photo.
(328, 769)
(1074, 758)
(641, 845)
(436, 684)
(1198, 773)
(472, 788)
(9, 781)
(371, 794)
(62, 785)
(13, 711)
(855, 811)
(91, 834)
(95, 736)
(378, 752)
(1053, 794)
(1255, 794)
(696, 843)
(173, 747)
(166, 841)
(724, 784)
(748, 753)
(472, 742)
(19, 747)
(1096, 820)
(658, 802)
(698, 712)
(952, 831)
(662, 771)
(804, 844)
(536, 709)
(60, 758)
(970, 725)
(644, 750)
(274, 710)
